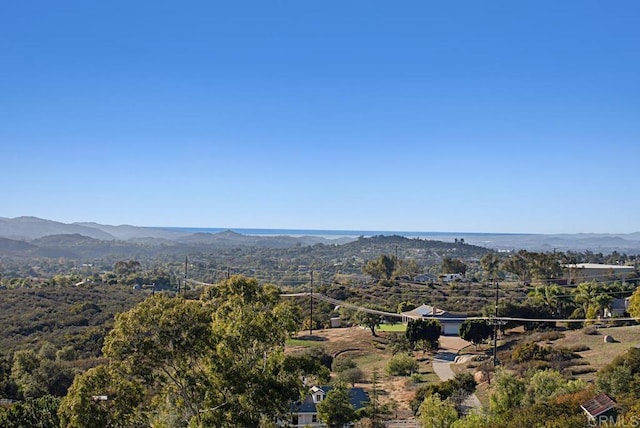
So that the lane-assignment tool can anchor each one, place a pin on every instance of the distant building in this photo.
(577, 273)
(617, 307)
(450, 322)
(425, 277)
(305, 413)
(600, 408)
(448, 277)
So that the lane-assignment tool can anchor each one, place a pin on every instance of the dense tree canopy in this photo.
(425, 332)
(200, 362)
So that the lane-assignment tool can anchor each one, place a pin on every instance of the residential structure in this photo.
(450, 322)
(600, 409)
(448, 277)
(305, 413)
(576, 273)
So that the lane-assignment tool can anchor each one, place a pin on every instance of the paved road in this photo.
(442, 367)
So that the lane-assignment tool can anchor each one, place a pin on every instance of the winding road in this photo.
(449, 347)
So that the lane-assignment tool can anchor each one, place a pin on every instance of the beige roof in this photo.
(599, 266)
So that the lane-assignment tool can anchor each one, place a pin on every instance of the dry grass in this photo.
(599, 353)
(370, 354)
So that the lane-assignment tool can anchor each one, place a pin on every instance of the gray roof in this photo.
(357, 397)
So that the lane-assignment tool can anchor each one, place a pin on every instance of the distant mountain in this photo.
(28, 228)
(127, 232)
(230, 238)
(12, 245)
(126, 238)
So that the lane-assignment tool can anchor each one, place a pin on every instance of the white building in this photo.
(450, 322)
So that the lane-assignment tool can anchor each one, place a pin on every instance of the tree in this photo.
(450, 265)
(475, 331)
(336, 410)
(543, 385)
(102, 397)
(380, 268)
(426, 331)
(473, 420)
(507, 394)
(36, 375)
(402, 365)
(351, 376)
(519, 265)
(549, 296)
(592, 297)
(406, 307)
(490, 264)
(437, 413)
(368, 319)
(406, 267)
(634, 304)
(545, 267)
(37, 413)
(200, 362)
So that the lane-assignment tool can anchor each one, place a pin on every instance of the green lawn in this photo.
(302, 342)
(396, 328)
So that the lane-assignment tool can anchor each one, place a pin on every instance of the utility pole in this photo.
(495, 328)
(311, 307)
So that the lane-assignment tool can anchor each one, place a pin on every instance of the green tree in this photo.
(35, 413)
(508, 392)
(475, 331)
(368, 319)
(450, 265)
(402, 365)
(425, 331)
(474, 420)
(634, 304)
(406, 267)
(102, 397)
(336, 410)
(592, 297)
(351, 376)
(380, 268)
(490, 264)
(518, 264)
(543, 385)
(200, 362)
(36, 375)
(437, 413)
(549, 296)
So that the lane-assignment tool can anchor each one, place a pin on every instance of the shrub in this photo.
(342, 364)
(402, 365)
(590, 330)
(578, 348)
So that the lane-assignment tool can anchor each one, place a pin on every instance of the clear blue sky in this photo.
(465, 116)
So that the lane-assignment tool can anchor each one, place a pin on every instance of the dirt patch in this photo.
(371, 355)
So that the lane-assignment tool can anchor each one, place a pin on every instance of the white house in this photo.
(448, 277)
(450, 322)
(305, 414)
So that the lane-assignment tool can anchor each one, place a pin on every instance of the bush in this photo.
(590, 330)
(402, 365)
(342, 364)
(547, 336)
(578, 348)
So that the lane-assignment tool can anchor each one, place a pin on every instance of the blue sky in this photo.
(467, 116)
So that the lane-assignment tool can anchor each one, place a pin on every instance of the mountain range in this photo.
(29, 234)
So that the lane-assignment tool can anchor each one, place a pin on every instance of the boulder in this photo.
(608, 339)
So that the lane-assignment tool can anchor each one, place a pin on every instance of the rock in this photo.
(608, 339)
(480, 376)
